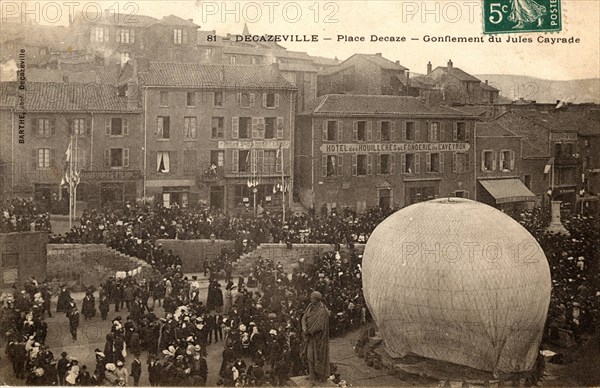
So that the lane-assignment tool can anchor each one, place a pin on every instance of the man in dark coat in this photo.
(104, 306)
(64, 296)
(88, 307)
(62, 366)
(73, 322)
(136, 370)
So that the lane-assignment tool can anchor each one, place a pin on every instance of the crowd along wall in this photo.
(194, 253)
(22, 255)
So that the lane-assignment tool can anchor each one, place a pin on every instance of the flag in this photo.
(66, 169)
(548, 165)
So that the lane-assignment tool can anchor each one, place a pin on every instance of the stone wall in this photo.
(22, 255)
(82, 265)
(194, 252)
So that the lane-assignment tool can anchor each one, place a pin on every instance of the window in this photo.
(117, 126)
(253, 60)
(125, 35)
(99, 34)
(244, 161)
(386, 131)
(117, 157)
(434, 162)
(410, 131)
(460, 133)
(244, 127)
(386, 164)
(488, 162)
(190, 99)
(208, 53)
(43, 158)
(461, 162)
(411, 163)
(460, 194)
(122, 91)
(507, 161)
(527, 181)
(163, 162)
(270, 127)
(189, 128)
(44, 128)
(218, 99)
(332, 165)
(178, 36)
(420, 194)
(163, 130)
(164, 98)
(361, 131)
(232, 59)
(246, 100)
(361, 165)
(218, 127)
(332, 130)
(270, 162)
(217, 158)
(124, 58)
(78, 126)
(271, 100)
(434, 132)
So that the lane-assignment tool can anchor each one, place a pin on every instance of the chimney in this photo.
(65, 79)
(486, 81)
(407, 77)
(449, 64)
(378, 54)
(429, 67)
(397, 62)
(191, 20)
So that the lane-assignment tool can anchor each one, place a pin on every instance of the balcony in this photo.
(564, 159)
(210, 173)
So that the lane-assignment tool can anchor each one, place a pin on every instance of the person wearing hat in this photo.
(315, 331)
(73, 372)
(136, 370)
(62, 366)
(121, 374)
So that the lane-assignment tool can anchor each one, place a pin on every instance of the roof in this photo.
(357, 104)
(8, 97)
(507, 190)
(263, 51)
(101, 75)
(306, 67)
(493, 129)
(475, 110)
(324, 61)
(458, 73)
(214, 75)
(122, 19)
(376, 59)
(176, 21)
(563, 120)
(73, 97)
(489, 87)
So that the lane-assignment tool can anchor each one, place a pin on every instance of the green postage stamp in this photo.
(516, 16)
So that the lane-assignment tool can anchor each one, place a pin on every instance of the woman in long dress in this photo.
(526, 11)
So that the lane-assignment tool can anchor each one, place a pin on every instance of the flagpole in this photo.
(70, 184)
(282, 182)
(74, 178)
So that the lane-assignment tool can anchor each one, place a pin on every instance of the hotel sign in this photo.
(352, 148)
(249, 144)
(112, 175)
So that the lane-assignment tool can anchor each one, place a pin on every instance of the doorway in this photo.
(217, 197)
(385, 198)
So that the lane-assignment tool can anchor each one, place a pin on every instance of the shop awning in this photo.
(508, 190)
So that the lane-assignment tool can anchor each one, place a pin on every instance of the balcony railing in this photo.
(210, 173)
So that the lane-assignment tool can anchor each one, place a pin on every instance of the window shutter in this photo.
(392, 163)
(340, 130)
(107, 127)
(378, 169)
(107, 157)
(88, 127)
(512, 160)
(393, 130)
(173, 161)
(354, 165)
(417, 163)
(264, 98)
(482, 160)
(52, 156)
(467, 162)
(417, 132)
(252, 98)
(403, 137)
(254, 127)
(125, 127)
(34, 159)
(280, 127)
(92, 34)
(132, 35)
(261, 127)
(324, 165)
(340, 169)
(185, 36)
(441, 162)
(34, 126)
(402, 163)
(467, 132)
(455, 132)
(369, 164)
(276, 100)
(324, 123)
(53, 126)
(126, 157)
(427, 162)
(118, 35)
(455, 163)
(106, 35)
(369, 131)
(355, 131)
(494, 161)
(235, 127)
(235, 161)
(378, 134)
(238, 98)
(441, 134)
(500, 160)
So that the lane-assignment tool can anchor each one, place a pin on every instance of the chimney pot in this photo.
(429, 67)
(397, 62)
(378, 54)
(486, 81)
(450, 64)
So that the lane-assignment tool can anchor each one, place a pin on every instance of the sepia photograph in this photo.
(309, 193)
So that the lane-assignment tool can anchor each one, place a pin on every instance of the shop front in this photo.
(505, 194)
(106, 189)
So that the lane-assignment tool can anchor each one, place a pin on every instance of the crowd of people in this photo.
(22, 215)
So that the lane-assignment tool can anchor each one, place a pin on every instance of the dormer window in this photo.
(122, 91)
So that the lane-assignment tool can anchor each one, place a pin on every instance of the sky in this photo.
(412, 19)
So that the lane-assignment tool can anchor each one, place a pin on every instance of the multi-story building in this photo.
(372, 150)
(365, 74)
(214, 133)
(498, 166)
(103, 128)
